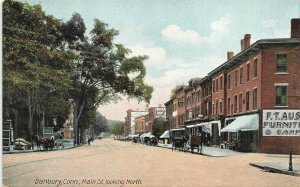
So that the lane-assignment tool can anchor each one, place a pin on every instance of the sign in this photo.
(281, 123)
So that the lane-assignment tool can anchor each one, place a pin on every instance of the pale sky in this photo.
(184, 39)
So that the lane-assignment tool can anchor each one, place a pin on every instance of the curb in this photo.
(32, 151)
(275, 170)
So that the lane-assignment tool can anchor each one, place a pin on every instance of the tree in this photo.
(35, 71)
(177, 87)
(104, 71)
(158, 126)
(100, 124)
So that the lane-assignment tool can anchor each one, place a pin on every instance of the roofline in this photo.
(253, 47)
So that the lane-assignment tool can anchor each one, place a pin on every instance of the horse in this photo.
(40, 141)
(91, 139)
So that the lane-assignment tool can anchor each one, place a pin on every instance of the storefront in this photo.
(242, 132)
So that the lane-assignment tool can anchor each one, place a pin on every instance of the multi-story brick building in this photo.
(140, 124)
(129, 127)
(262, 80)
(169, 114)
(155, 112)
(253, 98)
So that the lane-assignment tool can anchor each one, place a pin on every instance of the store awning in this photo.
(166, 134)
(244, 123)
(181, 129)
(204, 126)
(145, 135)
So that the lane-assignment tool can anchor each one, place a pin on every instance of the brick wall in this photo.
(270, 77)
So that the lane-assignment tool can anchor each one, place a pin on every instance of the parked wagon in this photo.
(195, 139)
(179, 139)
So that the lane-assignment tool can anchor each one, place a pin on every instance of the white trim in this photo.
(281, 106)
(281, 84)
(254, 88)
(282, 73)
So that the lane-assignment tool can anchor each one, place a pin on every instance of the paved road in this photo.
(113, 163)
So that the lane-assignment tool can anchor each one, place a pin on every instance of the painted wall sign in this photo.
(281, 123)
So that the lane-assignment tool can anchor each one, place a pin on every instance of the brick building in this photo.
(140, 124)
(155, 112)
(251, 100)
(129, 127)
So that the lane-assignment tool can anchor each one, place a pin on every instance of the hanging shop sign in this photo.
(281, 123)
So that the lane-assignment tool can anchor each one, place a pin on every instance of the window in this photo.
(247, 100)
(217, 107)
(281, 95)
(281, 63)
(213, 107)
(228, 81)
(255, 68)
(236, 78)
(228, 106)
(240, 102)
(254, 98)
(221, 107)
(217, 84)
(221, 83)
(248, 71)
(213, 85)
(235, 104)
(241, 75)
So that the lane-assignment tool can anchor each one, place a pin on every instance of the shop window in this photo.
(281, 63)
(281, 96)
(254, 98)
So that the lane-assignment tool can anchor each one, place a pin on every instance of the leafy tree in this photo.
(34, 71)
(177, 87)
(100, 124)
(117, 128)
(158, 126)
(103, 71)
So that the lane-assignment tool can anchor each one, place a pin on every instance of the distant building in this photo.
(129, 127)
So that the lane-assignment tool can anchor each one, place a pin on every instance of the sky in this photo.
(183, 39)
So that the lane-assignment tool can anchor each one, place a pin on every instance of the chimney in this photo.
(295, 28)
(247, 38)
(229, 55)
(242, 44)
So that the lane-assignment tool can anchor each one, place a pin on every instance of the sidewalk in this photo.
(208, 151)
(68, 144)
(278, 167)
(274, 167)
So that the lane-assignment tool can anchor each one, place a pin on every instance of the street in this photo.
(110, 162)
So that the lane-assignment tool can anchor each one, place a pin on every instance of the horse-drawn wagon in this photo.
(43, 143)
(179, 139)
(195, 139)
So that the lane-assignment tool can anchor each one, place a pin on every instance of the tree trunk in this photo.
(77, 114)
(30, 113)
